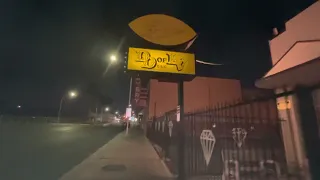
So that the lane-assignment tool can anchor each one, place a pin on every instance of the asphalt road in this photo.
(46, 151)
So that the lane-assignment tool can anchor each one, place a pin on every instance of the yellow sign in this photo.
(161, 61)
(162, 29)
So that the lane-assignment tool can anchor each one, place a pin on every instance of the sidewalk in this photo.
(130, 157)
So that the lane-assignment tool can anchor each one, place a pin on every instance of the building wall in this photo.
(304, 26)
(254, 93)
(292, 135)
(199, 93)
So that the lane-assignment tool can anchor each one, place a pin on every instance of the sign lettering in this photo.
(140, 95)
(161, 61)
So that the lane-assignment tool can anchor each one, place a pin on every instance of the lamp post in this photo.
(112, 58)
(71, 95)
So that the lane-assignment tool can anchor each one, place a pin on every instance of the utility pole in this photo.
(60, 106)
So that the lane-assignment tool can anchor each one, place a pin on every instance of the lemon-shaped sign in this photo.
(162, 29)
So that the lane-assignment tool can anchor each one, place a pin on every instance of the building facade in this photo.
(296, 63)
(200, 93)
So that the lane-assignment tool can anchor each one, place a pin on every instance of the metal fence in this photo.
(239, 140)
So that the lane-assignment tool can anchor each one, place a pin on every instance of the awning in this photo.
(300, 65)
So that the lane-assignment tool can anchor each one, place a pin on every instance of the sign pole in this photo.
(130, 90)
(129, 104)
(162, 61)
(181, 146)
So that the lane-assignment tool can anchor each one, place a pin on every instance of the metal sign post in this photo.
(165, 62)
(129, 105)
(181, 149)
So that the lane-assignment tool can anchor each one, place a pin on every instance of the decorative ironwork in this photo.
(239, 135)
(159, 125)
(234, 141)
(207, 141)
(170, 126)
(163, 125)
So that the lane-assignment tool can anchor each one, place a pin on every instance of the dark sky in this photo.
(50, 46)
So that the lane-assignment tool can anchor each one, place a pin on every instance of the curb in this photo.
(157, 150)
(82, 124)
(67, 174)
(106, 124)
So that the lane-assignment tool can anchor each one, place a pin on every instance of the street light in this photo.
(117, 112)
(71, 95)
(18, 106)
(106, 109)
(113, 58)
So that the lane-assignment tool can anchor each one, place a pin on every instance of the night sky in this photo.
(50, 46)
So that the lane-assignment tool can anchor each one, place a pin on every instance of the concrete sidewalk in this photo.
(130, 157)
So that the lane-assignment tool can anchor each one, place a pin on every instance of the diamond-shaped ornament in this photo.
(207, 141)
(239, 136)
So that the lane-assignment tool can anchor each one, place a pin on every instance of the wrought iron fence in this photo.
(239, 140)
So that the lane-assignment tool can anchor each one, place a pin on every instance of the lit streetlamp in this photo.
(106, 109)
(71, 95)
(117, 112)
(113, 58)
